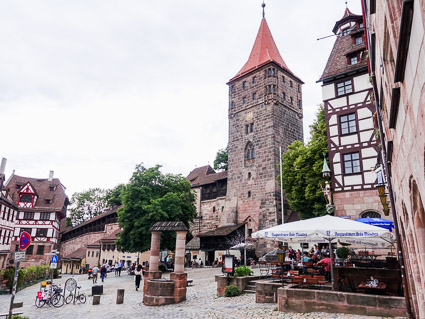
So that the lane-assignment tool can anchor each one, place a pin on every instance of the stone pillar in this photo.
(120, 296)
(180, 250)
(155, 245)
(180, 284)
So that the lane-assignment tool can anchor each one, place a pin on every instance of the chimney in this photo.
(51, 176)
(2, 169)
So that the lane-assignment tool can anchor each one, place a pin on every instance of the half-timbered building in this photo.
(8, 211)
(349, 109)
(42, 204)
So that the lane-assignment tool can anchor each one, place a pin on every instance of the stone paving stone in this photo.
(201, 303)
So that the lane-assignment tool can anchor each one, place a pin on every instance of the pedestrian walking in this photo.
(138, 276)
(103, 272)
(94, 272)
(120, 265)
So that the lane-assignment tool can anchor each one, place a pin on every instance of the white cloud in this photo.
(91, 88)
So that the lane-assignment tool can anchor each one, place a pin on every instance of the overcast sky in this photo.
(91, 88)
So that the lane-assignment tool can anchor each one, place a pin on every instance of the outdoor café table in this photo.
(378, 290)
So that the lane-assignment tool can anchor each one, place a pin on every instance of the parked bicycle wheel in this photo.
(39, 303)
(57, 300)
(82, 298)
(69, 298)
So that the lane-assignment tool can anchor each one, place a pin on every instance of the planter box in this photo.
(241, 282)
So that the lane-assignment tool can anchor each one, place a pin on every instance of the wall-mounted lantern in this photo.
(326, 172)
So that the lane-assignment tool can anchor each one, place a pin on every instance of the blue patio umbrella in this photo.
(379, 222)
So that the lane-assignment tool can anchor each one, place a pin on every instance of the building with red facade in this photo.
(41, 204)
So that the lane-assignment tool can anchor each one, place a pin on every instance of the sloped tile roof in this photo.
(80, 253)
(264, 51)
(193, 244)
(42, 188)
(221, 231)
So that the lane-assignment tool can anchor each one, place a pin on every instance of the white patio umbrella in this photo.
(327, 228)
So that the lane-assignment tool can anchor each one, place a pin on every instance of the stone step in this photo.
(249, 291)
(251, 287)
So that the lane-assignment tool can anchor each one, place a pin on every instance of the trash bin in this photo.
(97, 290)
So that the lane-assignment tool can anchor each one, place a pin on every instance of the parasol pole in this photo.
(332, 267)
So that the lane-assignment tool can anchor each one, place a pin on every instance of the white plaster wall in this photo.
(328, 92)
(369, 152)
(337, 169)
(352, 180)
(332, 120)
(369, 164)
(336, 158)
(333, 130)
(357, 97)
(363, 112)
(339, 102)
(362, 82)
(369, 177)
(335, 140)
(365, 136)
(349, 139)
(365, 124)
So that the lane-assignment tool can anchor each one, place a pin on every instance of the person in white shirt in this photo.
(94, 272)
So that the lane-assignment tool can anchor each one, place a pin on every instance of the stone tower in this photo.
(265, 113)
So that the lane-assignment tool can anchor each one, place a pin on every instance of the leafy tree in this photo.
(150, 197)
(221, 159)
(86, 205)
(302, 171)
(113, 196)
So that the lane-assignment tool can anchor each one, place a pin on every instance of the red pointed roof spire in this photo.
(263, 52)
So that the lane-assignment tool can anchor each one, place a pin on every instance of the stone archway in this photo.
(157, 291)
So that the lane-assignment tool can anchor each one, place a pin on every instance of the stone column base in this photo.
(180, 284)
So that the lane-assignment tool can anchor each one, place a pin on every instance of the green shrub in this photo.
(243, 271)
(231, 291)
(25, 275)
(342, 252)
(19, 317)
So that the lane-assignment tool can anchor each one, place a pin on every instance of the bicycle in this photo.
(80, 297)
(56, 299)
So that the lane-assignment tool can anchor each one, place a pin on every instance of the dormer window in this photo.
(345, 31)
(48, 201)
(27, 196)
(354, 60)
(18, 186)
(52, 188)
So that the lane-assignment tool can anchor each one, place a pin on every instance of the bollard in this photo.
(97, 290)
(96, 299)
(120, 296)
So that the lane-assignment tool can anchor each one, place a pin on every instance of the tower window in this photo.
(352, 163)
(244, 99)
(291, 100)
(214, 209)
(249, 154)
(283, 79)
(358, 40)
(246, 128)
(299, 88)
(232, 104)
(300, 104)
(251, 127)
(244, 85)
(254, 96)
(291, 84)
(249, 175)
(284, 95)
(344, 87)
(249, 193)
(254, 79)
(348, 123)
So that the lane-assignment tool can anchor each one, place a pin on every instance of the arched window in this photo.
(249, 154)
(370, 214)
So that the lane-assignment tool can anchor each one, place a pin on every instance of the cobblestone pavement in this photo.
(201, 302)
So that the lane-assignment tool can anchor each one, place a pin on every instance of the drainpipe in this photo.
(378, 104)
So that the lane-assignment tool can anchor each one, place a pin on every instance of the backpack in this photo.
(103, 269)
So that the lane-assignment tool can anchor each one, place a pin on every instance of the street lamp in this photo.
(326, 172)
